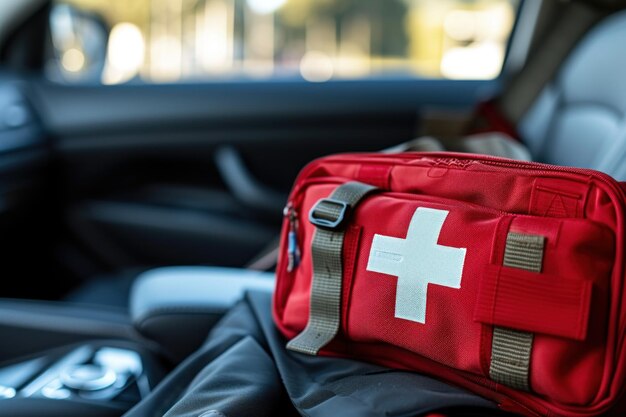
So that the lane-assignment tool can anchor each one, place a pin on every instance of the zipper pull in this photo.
(293, 251)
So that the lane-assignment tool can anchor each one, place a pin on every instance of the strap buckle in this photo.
(328, 213)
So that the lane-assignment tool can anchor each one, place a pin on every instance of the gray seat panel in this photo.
(579, 119)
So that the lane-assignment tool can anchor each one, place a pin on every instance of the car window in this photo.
(117, 41)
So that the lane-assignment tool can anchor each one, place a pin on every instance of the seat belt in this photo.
(576, 19)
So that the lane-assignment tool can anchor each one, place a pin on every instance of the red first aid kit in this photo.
(499, 276)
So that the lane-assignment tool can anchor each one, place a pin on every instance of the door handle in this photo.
(244, 186)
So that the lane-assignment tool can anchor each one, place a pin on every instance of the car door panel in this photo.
(27, 202)
(173, 174)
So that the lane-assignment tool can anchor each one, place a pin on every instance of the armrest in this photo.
(178, 306)
(30, 326)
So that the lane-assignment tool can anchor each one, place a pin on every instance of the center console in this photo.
(171, 313)
(103, 378)
(91, 373)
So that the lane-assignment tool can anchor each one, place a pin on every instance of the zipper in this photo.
(291, 215)
(293, 249)
(464, 160)
(604, 178)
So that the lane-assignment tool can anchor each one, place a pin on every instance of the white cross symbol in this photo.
(417, 261)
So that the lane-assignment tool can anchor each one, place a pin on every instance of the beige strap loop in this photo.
(511, 349)
(326, 251)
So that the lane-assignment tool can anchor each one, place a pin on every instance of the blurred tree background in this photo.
(177, 40)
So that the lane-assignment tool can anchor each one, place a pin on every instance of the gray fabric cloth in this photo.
(244, 370)
(494, 144)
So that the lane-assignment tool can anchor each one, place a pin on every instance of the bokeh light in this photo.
(265, 6)
(317, 40)
(125, 53)
(316, 66)
(73, 60)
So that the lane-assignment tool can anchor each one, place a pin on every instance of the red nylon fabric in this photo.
(574, 306)
(536, 303)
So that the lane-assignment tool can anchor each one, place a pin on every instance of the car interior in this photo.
(135, 215)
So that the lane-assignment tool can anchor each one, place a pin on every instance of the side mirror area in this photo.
(78, 45)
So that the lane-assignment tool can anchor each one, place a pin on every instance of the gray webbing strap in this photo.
(326, 251)
(511, 349)
(510, 357)
(524, 252)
